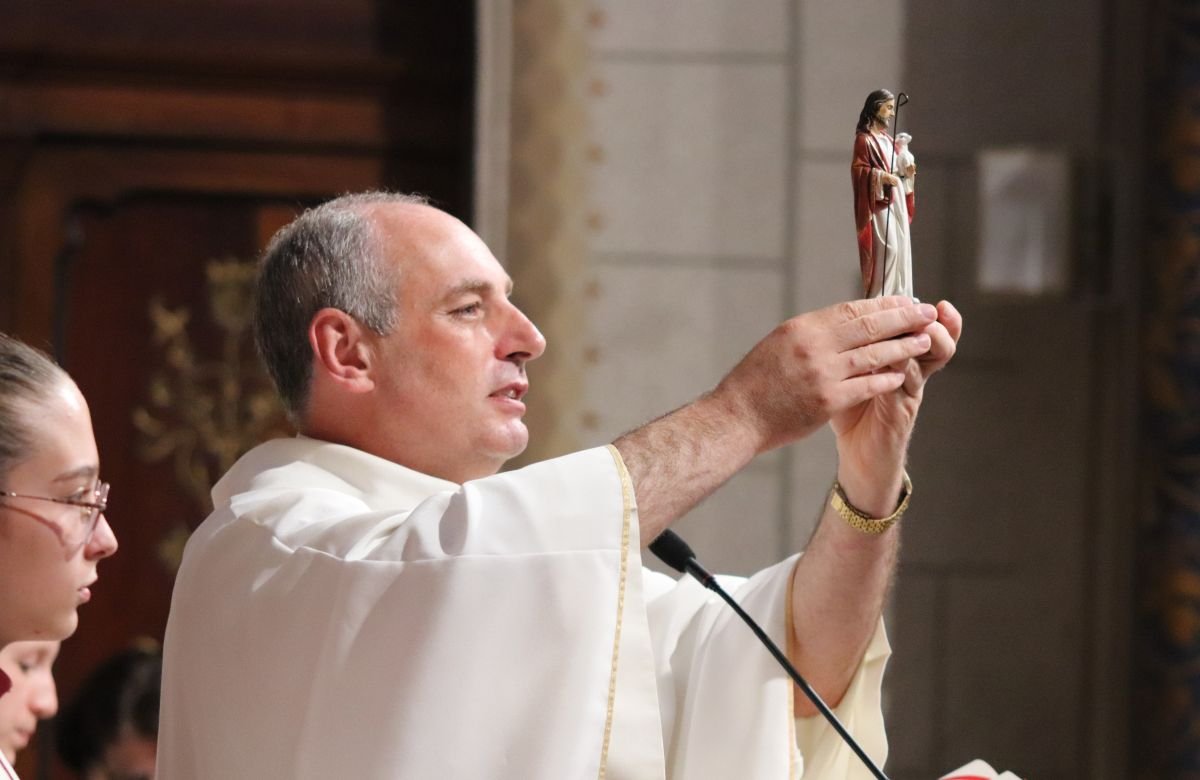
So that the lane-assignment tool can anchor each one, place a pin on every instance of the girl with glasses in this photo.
(53, 532)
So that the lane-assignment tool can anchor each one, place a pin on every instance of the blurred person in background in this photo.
(109, 731)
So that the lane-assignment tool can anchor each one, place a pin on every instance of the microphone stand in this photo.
(673, 551)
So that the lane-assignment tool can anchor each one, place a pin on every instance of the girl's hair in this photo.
(27, 377)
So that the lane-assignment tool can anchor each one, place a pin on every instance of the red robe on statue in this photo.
(871, 199)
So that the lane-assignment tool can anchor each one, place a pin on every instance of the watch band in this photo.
(864, 522)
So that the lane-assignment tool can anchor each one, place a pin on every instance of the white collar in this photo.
(324, 464)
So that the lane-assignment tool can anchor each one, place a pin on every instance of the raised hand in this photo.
(825, 363)
(810, 368)
(872, 436)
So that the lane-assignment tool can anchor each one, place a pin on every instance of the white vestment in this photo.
(892, 233)
(340, 616)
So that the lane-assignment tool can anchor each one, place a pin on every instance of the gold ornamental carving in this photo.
(203, 411)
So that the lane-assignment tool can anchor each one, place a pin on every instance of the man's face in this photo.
(451, 377)
(886, 111)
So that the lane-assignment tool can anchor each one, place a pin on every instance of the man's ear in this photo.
(340, 349)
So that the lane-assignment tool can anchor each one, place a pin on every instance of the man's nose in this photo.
(524, 342)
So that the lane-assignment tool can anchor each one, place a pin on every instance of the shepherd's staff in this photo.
(901, 99)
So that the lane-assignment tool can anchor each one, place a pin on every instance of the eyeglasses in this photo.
(75, 535)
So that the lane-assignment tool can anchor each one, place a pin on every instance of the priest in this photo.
(373, 599)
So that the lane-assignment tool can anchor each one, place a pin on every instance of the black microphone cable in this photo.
(673, 551)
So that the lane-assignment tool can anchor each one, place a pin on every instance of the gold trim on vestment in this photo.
(626, 518)
(790, 644)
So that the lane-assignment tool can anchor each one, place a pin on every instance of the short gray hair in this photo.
(329, 256)
(27, 378)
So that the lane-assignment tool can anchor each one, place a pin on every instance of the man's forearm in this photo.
(839, 588)
(843, 577)
(679, 459)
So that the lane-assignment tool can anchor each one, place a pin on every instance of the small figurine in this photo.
(906, 164)
(883, 174)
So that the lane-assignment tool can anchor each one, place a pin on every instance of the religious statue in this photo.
(883, 174)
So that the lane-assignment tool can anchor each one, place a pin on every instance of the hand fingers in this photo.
(883, 324)
(893, 352)
(942, 347)
(914, 379)
(950, 317)
(859, 389)
(852, 310)
(944, 335)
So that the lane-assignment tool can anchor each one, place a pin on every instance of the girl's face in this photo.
(45, 574)
(32, 697)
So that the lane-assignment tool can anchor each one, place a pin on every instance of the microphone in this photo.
(673, 551)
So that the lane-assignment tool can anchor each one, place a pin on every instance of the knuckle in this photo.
(789, 329)
(861, 360)
(847, 310)
(805, 376)
(871, 328)
(873, 357)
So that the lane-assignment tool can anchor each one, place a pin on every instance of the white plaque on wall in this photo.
(1024, 221)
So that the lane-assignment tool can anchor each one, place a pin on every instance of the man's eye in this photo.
(471, 308)
(25, 666)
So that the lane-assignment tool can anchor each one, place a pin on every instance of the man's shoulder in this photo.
(303, 464)
(290, 496)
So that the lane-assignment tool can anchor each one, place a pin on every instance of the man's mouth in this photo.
(513, 392)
